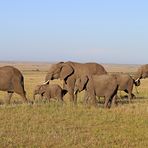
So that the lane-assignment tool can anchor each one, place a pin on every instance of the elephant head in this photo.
(60, 70)
(39, 89)
(80, 84)
(142, 72)
(86, 83)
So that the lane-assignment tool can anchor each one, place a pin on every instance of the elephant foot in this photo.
(30, 102)
(133, 96)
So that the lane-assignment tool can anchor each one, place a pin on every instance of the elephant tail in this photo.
(22, 83)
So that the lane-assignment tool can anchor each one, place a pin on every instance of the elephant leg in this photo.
(129, 95)
(23, 95)
(107, 101)
(64, 90)
(59, 98)
(48, 99)
(9, 96)
(87, 100)
(133, 96)
(129, 90)
(19, 89)
(72, 97)
(71, 94)
(41, 97)
(114, 102)
(47, 96)
(75, 98)
(86, 97)
(111, 101)
(70, 88)
(92, 100)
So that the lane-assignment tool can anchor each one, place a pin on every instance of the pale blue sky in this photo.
(103, 31)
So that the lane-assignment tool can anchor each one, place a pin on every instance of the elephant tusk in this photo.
(137, 79)
(46, 82)
(75, 91)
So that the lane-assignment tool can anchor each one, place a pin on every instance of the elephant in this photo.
(70, 71)
(104, 86)
(126, 83)
(142, 72)
(49, 91)
(12, 80)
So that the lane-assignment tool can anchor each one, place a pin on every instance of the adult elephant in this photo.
(11, 80)
(70, 71)
(142, 72)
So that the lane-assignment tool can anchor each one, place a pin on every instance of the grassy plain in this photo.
(53, 125)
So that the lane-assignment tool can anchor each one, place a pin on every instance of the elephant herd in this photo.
(76, 77)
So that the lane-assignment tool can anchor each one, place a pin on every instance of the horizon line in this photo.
(50, 62)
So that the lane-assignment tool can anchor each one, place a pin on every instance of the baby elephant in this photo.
(49, 91)
(126, 83)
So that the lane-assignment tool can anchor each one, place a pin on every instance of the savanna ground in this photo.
(53, 125)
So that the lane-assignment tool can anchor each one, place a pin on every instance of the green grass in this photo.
(53, 125)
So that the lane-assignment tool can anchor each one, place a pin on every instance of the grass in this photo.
(53, 125)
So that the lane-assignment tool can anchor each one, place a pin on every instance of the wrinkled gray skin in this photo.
(142, 72)
(49, 91)
(70, 71)
(126, 83)
(11, 80)
(104, 86)
(38, 91)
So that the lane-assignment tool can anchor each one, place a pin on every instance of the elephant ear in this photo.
(89, 85)
(84, 81)
(66, 71)
(42, 89)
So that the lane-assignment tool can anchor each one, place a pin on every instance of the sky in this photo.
(103, 31)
